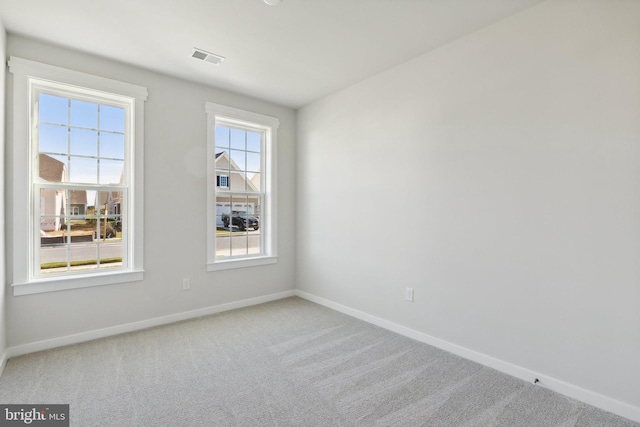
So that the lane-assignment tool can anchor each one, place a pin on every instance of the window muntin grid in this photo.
(239, 158)
(81, 141)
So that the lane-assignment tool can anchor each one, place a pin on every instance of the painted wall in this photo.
(498, 176)
(175, 212)
(3, 324)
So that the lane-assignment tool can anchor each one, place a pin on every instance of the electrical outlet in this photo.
(186, 284)
(408, 294)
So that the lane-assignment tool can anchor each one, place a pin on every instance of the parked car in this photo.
(242, 220)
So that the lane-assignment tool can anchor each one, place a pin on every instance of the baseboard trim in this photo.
(136, 326)
(587, 396)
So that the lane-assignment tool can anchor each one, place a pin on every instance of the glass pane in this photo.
(238, 139)
(253, 162)
(120, 220)
(109, 207)
(238, 181)
(254, 179)
(254, 223)
(254, 243)
(223, 221)
(238, 160)
(52, 168)
(53, 253)
(84, 142)
(223, 209)
(84, 114)
(83, 170)
(239, 245)
(222, 137)
(111, 171)
(91, 203)
(110, 250)
(83, 253)
(223, 246)
(238, 204)
(78, 202)
(53, 109)
(254, 141)
(111, 145)
(222, 159)
(53, 139)
(52, 205)
(111, 118)
(53, 233)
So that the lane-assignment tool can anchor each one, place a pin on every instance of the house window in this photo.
(241, 192)
(222, 180)
(78, 151)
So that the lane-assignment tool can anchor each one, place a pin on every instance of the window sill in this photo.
(53, 284)
(241, 263)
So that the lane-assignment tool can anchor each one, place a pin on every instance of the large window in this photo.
(81, 143)
(241, 190)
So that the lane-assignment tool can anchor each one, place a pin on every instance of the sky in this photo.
(87, 137)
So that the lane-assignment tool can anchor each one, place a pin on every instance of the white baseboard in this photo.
(587, 396)
(135, 326)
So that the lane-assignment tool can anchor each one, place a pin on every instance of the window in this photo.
(241, 218)
(81, 147)
(222, 180)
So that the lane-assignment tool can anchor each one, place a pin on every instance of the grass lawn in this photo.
(48, 265)
(223, 232)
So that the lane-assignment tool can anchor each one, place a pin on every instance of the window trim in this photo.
(24, 71)
(249, 120)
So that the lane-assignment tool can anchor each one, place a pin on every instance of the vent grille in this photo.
(199, 55)
(203, 55)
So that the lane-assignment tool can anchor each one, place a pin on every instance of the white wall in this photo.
(175, 212)
(499, 176)
(3, 325)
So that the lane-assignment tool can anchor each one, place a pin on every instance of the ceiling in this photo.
(289, 54)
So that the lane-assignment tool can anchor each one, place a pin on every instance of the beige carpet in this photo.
(289, 362)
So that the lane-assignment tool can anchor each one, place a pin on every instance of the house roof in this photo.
(51, 169)
(78, 197)
(116, 197)
(233, 168)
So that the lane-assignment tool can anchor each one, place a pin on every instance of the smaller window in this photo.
(222, 181)
(241, 226)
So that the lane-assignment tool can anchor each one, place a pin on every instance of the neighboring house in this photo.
(109, 202)
(52, 202)
(229, 177)
(78, 202)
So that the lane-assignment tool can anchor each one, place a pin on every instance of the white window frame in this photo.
(229, 116)
(226, 181)
(26, 75)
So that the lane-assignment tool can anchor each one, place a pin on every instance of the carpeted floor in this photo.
(288, 362)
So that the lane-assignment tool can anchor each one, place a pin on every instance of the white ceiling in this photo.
(290, 54)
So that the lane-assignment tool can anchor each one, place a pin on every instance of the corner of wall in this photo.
(3, 323)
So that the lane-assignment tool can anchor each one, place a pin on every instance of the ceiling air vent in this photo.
(203, 55)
